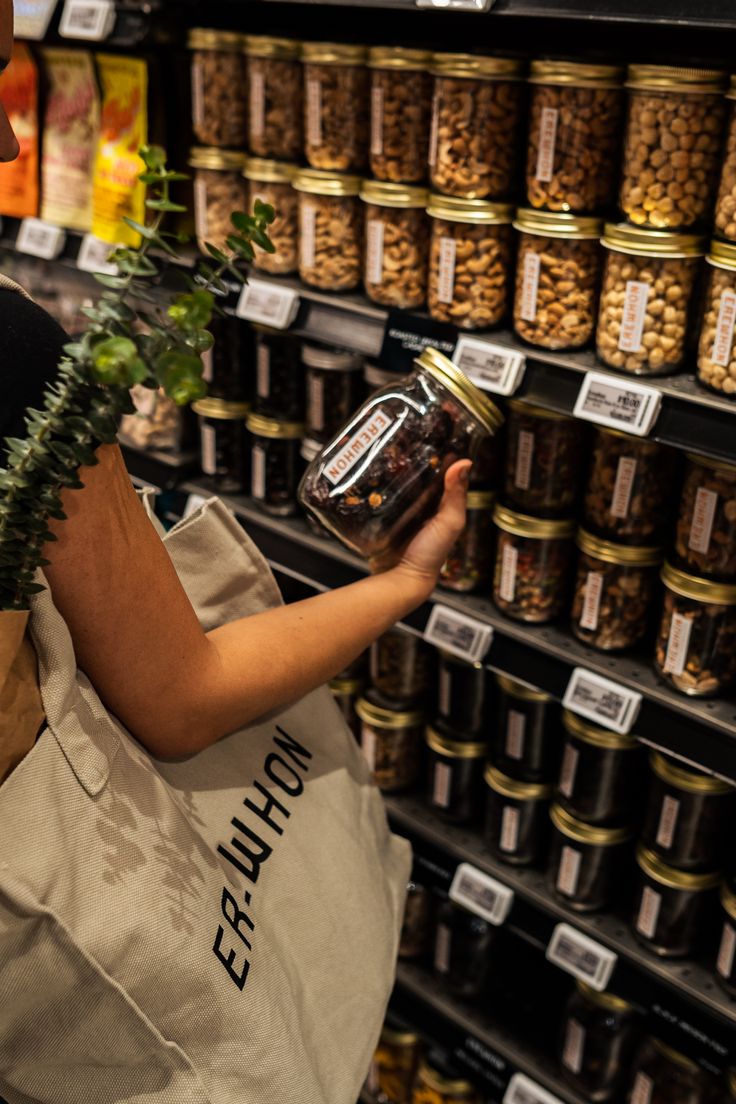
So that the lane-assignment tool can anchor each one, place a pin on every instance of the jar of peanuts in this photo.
(716, 352)
(218, 88)
(470, 261)
(557, 271)
(696, 641)
(705, 538)
(396, 243)
(533, 562)
(401, 94)
(270, 181)
(275, 85)
(574, 127)
(330, 229)
(646, 298)
(336, 115)
(672, 147)
(476, 113)
(219, 189)
(725, 215)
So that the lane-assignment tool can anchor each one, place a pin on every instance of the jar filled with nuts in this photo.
(696, 642)
(533, 562)
(334, 387)
(223, 443)
(276, 464)
(470, 261)
(275, 86)
(725, 214)
(543, 460)
(391, 740)
(476, 112)
(557, 271)
(335, 106)
(401, 666)
(401, 92)
(574, 126)
(329, 229)
(672, 146)
(705, 540)
(218, 88)
(716, 352)
(469, 565)
(219, 189)
(628, 494)
(270, 182)
(396, 244)
(646, 296)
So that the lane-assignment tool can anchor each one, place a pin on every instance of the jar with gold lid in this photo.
(455, 776)
(725, 213)
(219, 85)
(463, 694)
(696, 641)
(516, 825)
(275, 463)
(270, 182)
(401, 93)
(597, 1038)
(438, 1083)
(330, 229)
(716, 365)
(671, 907)
(469, 565)
(544, 452)
(525, 742)
(401, 665)
(391, 741)
(336, 113)
(533, 562)
(705, 540)
(219, 189)
(394, 1064)
(396, 244)
(275, 87)
(599, 772)
(587, 860)
(662, 1075)
(346, 692)
(223, 443)
(726, 960)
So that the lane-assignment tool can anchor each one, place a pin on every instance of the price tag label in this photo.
(491, 367)
(618, 405)
(522, 1090)
(457, 5)
(89, 19)
(93, 254)
(32, 18)
(268, 304)
(481, 894)
(582, 957)
(601, 700)
(457, 633)
(40, 239)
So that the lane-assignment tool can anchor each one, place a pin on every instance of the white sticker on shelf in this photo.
(32, 18)
(93, 256)
(92, 20)
(568, 871)
(651, 903)
(581, 956)
(515, 734)
(40, 239)
(374, 251)
(642, 1091)
(546, 147)
(634, 313)
(524, 460)
(574, 1046)
(368, 743)
(601, 700)
(509, 840)
(701, 526)
(622, 488)
(592, 594)
(678, 643)
(314, 113)
(727, 950)
(609, 402)
(721, 352)
(531, 268)
(522, 1090)
(442, 945)
(441, 785)
(258, 473)
(256, 102)
(491, 367)
(268, 304)
(208, 450)
(377, 120)
(568, 770)
(667, 822)
(446, 275)
(480, 893)
(458, 633)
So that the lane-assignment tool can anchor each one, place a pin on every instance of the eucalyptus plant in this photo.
(133, 337)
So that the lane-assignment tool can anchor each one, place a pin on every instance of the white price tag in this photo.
(457, 633)
(522, 1090)
(89, 19)
(457, 5)
(617, 405)
(93, 254)
(491, 367)
(482, 894)
(32, 18)
(268, 304)
(40, 239)
(193, 502)
(582, 957)
(601, 700)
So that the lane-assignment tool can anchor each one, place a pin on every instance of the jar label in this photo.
(197, 93)
(509, 829)
(434, 131)
(572, 1054)
(374, 251)
(209, 449)
(445, 692)
(701, 527)
(592, 600)
(507, 586)
(441, 785)
(530, 286)
(547, 140)
(642, 1091)
(263, 370)
(524, 458)
(568, 770)
(316, 402)
(257, 102)
(207, 366)
(442, 943)
(446, 275)
(667, 822)
(200, 208)
(258, 472)
(515, 730)
(632, 321)
(314, 112)
(307, 234)
(622, 488)
(366, 436)
(727, 952)
(376, 120)
(721, 351)
(677, 644)
(368, 741)
(646, 921)
(569, 871)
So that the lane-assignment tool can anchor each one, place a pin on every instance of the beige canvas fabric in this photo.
(221, 929)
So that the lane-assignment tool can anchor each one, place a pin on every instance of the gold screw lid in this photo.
(206, 38)
(728, 900)
(581, 74)
(334, 53)
(477, 66)
(691, 780)
(521, 525)
(660, 78)
(343, 687)
(207, 157)
(270, 427)
(391, 1037)
(557, 224)
(444, 1085)
(480, 500)
(578, 830)
(674, 1055)
(510, 787)
(220, 408)
(666, 875)
(266, 46)
(524, 407)
(603, 999)
(623, 238)
(455, 380)
(622, 554)
(262, 170)
(700, 590)
(318, 182)
(519, 690)
(380, 717)
(393, 195)
(454, 749)
(595, 735)
(722, 254)
(710, 462)
(455, 209)
(397, 57)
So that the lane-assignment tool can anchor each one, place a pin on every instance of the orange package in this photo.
(123, 130)
(19, 97)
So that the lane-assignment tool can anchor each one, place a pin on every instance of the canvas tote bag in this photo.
(221, 929)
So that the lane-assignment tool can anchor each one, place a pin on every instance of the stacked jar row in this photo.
(406, 1071)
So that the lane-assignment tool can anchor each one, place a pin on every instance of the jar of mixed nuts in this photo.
(462, 947)
(401, 665)
(525, 742)
(334, 389)
(223, 443)
(544, 452)
(219, 189)
(275, 86)
(705, 541)
(330, 231)
(628, 494)
(574, 126)
(688, 816)
(716, 353)
(599, 773)
(396, 244)
(725, 213)
(516, 818)
(476, 112)
(455, 776)
(670, 906)
(646, 296)
(664, 1076)
(270, 181)
(726, 961)
(586, 861)
(279, 376)
(336, 115)
(696, 642)
(275, 464)
(469, 565)
(437, 1083)
(533, 562)
(598, 1035)
(219, 86)
(394, 1063)
(614, 588)
(391, 740)
(557, 271)
(401, 91)
(470, 261)
(463, 694)
(672, 146)
(346, 692)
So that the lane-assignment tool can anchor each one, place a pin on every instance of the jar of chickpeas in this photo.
(270, 182)
(716, 352)
(275, 112)
(330, 229)
(725, 215)
(336, 116)
(396, 244)
(401, 95)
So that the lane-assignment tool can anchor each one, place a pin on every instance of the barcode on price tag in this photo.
(32, 18)
(268, 304)
(608, 402)
(582, 957)
(491, 367)
(457, 633)
(40, 239)
(89, 19)
(601, 700)
(93, 254)
(522, 1090)
(481, 894)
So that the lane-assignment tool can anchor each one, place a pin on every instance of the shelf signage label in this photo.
(458, 633)
(32, 18)
(615, 404)
(581, 956)
(93, 254)
(40, 239)
(491, 367)
(482, 894)
(92, 20)
(601, 700)
(522, 1090)
(268, 304)
(407, 335)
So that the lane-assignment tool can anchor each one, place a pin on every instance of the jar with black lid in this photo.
(544, 453)
(223, 443)
(596, 1044)
(346, 692)
(664, 1076)
(391, 740)
(525, 742)
(688, 815)
(462, 694)
(462, 946)
(394, 1063)
(439, 1083)
(276, 464)
(726, 961)
(226, 366)
(279, 376)
(416, 931)
(586, 860)
(455, 777)
(401, 665)
(599, 772)
(469, 564)
(670, 906)
(516, 818)
(334, 389)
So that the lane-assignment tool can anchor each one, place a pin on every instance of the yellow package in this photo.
(19, 97)
(123, 130)
(70, 130)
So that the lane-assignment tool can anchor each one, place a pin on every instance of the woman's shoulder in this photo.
(31, 347)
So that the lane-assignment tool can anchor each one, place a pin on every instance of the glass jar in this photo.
(396, 244)
(455, 777)
(226, 367)
(586, 862)
(526, 743)
(279, 376)
(672, 145)
(469, 566)
(401, 90)
(335, 106)
(716, 354)
(437, 1083)
(574, 128)
(330, 233)
(406, 435)
(557, 271)
(628, 493)
(462, 945)
(646, 296)
(223, 443)
(219, 85)
(416, 930)
(275, 87)
(401, 665)
(516, 818)
(270, 182)
(533, 562)
(219, 189)
(462, 694)
(544, 453)
(664, 1076)
(470, 261)
(597, 1038)
(688, 816)
(275, 464)
(726, 961)
(725, 212)
(334, 388)
(705, 541)
(309, 449)
(476, 114)
(346, 692)
(485, 473)
(599, 774)
(394, 1065)
(391, 740)
(670, 906)
(696, 642)
(613, 594)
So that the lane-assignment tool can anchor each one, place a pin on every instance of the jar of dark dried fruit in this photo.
(516, 818)
(275, 464)
(671, 907)
(533, 563)
(455, 776)
(439, 1083)
(219, 85)
(614, 589)
(598, 1035)
(223, 443)
(279, 376)
(599, 774)
(416, 930)
(462, 945)
(661, 1075)
(401, 665)
(275, 112)
(586, 861)
(394, 1064)
(543, 461)
(405, 437)
(391, 740)
(688, 815)
(226, 367)
(469, 565)
(726, 960)
(628, 493)
(462, 694)
(346, 693)
(525, 741)
(696, 642)
(705, 541)
(334, 389)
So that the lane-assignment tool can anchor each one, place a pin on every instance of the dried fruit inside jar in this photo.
(219, 86)
(219, 189)
(469, 566)
(705, 540)
(330, 230)
(600, 779)
(671, 907)
(726, 959)
(391, 741)
(336, 113)
(696, 642)
(598, 1034)
(334, 389)
(517, 821)
(627, 496)
(439, 1083)
(394, 1065)
(401, 665)
(396, 244)
(543, 460)
(462, 946)
(525, 743)
(270, 182)
(662, 1075)
(532, 570)
(725, 212)
(716, 353)
(401, 92)
(279, 376)
(223, 443)
(455, 776)
(463, 694)
(614, 590)
(275, 89)
(586, 861)
(275, 464)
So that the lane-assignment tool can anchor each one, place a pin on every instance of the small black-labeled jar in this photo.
(226, 366)
(334, 386)
(526, 739)
(401, 665)
(462, 945)
(670, 906)
(455, 779)
(586, 861)
(661, 1075)
(516, 818)
(599, 772)
(275, 464)
(463, 691)
(279, 391)
(416, 930)
(223, 443)
(597, 1038)
(726, 960)
(346, 692)
(391, 740)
